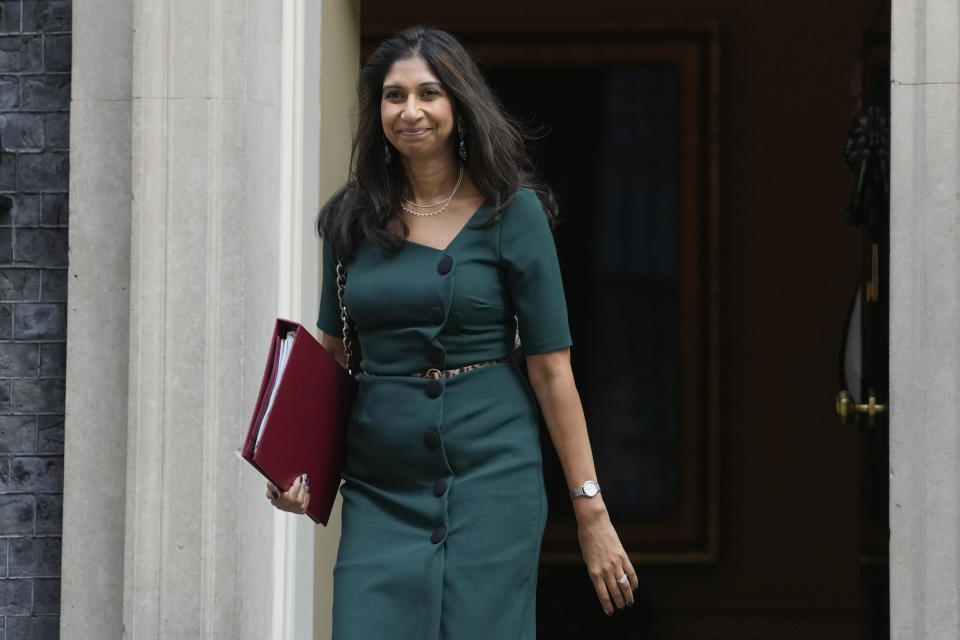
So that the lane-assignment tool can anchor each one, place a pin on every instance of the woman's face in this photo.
(416, 112)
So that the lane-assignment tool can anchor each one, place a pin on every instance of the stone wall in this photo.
(35, 48)
(924, 310)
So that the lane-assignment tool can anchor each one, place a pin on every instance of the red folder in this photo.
(303, 427)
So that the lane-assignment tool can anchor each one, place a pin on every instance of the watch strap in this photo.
(581, 490)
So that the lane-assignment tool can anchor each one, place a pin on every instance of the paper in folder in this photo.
(300, 418)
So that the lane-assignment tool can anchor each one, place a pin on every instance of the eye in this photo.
(430, 94)
(392, 95)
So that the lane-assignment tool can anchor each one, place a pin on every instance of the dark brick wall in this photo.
(34, 172)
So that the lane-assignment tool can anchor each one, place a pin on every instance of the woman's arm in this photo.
(552, 380)
(334, 347)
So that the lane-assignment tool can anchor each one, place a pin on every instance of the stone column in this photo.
(95, 438)
(176, 261)
(199, 558)
(925, 321)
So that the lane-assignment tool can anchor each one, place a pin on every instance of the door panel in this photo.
(628, 149)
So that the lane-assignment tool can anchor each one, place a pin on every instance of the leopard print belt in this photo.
(448, 373)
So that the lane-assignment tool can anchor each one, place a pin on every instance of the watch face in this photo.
(590, 489)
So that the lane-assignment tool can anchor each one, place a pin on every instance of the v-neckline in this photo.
(455, 237)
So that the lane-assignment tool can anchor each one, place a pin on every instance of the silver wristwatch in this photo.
(588, 489)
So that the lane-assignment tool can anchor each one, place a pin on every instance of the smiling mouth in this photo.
(413, 132)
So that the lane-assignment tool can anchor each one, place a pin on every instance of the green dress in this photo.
(443, 496)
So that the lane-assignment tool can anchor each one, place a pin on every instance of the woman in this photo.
(445, 238)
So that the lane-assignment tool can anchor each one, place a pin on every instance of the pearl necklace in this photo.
(445, 202)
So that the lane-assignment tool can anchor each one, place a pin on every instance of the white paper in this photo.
(286, 346)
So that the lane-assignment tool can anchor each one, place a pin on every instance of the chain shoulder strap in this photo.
(345, 318)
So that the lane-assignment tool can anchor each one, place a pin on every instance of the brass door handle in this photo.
(847, 408)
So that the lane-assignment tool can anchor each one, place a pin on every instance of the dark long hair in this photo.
(496, 144)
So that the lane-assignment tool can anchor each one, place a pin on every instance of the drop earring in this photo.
(386, 153)
(462, 146)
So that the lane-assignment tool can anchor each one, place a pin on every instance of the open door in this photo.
(696, 161)
(864, 362)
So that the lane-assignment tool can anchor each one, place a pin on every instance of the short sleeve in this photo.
(329, 318)
(529, 255)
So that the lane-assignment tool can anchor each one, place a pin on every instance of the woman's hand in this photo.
(334, 347)
(606, 560)
(295, 500)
